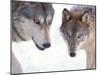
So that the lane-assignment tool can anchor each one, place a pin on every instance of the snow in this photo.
(55, 58)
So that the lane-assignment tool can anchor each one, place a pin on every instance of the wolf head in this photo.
(34, 21)
(75, 29)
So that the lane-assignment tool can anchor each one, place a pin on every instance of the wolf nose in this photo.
(46, 45)
(72, 54)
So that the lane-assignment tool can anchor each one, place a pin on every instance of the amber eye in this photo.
(36, 21)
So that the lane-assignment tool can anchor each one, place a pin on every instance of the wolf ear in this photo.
(85, 18)
(65, 15)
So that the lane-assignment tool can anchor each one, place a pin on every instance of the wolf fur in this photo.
(31, 21)
(78, 30)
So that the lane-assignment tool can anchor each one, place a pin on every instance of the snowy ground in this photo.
(53, 59)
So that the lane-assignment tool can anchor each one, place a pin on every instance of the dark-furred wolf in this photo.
(78, 30)
(31, 20)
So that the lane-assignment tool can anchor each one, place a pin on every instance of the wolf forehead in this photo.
(73, 27)
(37, 10)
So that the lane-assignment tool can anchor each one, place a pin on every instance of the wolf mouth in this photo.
(38, 45)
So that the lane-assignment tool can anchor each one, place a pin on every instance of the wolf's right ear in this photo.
(65, 15)
(85, 18)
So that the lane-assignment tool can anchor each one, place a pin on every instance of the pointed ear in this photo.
(85, 18)
(65, 15)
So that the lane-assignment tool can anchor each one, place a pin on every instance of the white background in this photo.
(5, 37)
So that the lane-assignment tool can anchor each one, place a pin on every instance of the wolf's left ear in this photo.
(85, 18)
(65, 15)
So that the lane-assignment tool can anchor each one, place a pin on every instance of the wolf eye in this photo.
(70, 18)
(36, 21)
(68, 35)
(79, 36)
(49, 22)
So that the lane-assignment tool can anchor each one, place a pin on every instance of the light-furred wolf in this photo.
(78, 30)
(31, 20)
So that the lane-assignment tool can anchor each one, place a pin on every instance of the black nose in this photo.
(72, 54)
(46, 45)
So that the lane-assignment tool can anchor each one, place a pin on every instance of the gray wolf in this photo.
(78, 31)
(32, 21)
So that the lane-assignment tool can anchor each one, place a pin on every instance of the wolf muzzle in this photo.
(72, 49)
(45, 45)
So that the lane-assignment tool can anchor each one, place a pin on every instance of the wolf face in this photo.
(33, 22)
(74, 29)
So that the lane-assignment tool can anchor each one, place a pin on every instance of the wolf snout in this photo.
(46, 45)
(72, 54)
